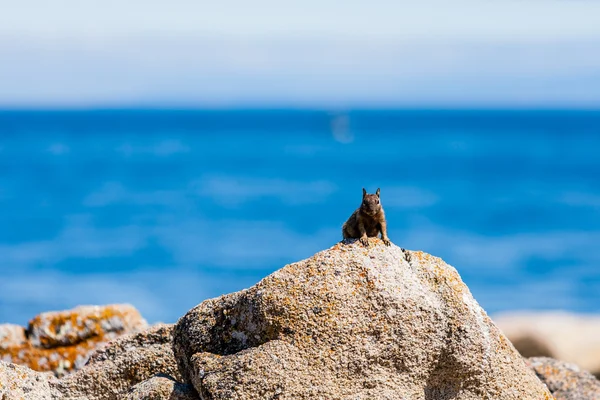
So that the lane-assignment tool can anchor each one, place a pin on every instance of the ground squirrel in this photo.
(367, 221)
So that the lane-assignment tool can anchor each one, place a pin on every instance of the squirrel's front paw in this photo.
(364, 241)
(386, 241)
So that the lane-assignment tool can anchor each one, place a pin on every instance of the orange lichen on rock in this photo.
(63, 328)
(59, 360)
(62, 341)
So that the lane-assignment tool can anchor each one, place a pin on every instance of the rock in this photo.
(11, 335)
(565, 381)
(18, 382)
(567, 337)
(63, 341)
(125, 362)
(65, 328)
(352, 323)
(532, 346)
(110, 373)
(162, 388)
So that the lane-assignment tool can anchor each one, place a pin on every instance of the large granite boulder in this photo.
(62, 341)
(565, 381)
(352, 323)
(569, 337)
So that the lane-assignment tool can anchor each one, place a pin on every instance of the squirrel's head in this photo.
(370, 203)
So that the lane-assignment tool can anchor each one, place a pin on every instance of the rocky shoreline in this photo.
(347, 323)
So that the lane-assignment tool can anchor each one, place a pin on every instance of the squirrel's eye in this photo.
(377, 201)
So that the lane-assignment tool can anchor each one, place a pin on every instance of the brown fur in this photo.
(367, 221)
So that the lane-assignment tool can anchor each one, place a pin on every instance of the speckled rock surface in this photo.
(162, 388)
(62, 341)
(21, 383)
(125, 362)
(569, 337)
(65, 328)
(11, 335)
(565, 381)
(352, 323)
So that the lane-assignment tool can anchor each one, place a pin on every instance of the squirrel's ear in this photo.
(377, 192)
(364, 192)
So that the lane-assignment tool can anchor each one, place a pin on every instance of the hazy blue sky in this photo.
(76, 53)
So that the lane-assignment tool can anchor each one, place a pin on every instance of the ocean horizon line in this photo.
(319, 109)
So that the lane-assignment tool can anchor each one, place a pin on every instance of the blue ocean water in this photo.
(163, 209)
